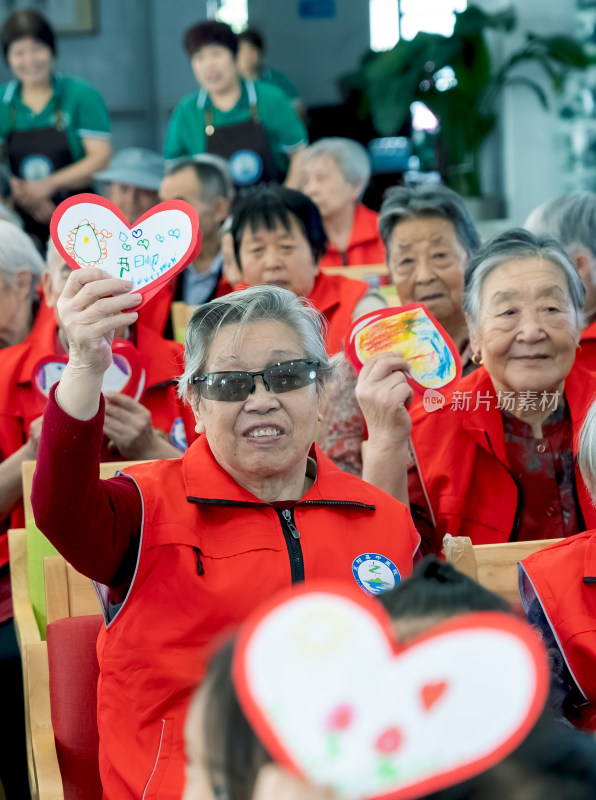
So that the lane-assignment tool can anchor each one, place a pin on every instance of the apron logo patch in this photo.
(246, 167)
(375, 573)
(36, 167)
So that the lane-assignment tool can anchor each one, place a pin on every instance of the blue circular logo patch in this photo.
(178, 434)
(36, 167)
(375, 573)
(246, 167)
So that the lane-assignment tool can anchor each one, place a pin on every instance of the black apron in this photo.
(34, 154)
(245, 146)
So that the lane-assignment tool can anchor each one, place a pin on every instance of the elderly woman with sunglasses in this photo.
(184, 549)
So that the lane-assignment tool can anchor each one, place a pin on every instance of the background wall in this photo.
(136, 60)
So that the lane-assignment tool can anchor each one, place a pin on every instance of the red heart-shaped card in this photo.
(413, 331)
(89, 231)
(335, 699)
(126, 373)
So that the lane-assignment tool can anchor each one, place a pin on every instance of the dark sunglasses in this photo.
(233, 386)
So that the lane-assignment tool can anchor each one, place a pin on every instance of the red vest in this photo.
(336, 298)
(463, 462)
(365, 245)
(210, 553)
(563, 577)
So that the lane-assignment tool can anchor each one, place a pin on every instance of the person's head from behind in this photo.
(29, 46)
(132, 181)
(571, 218)
(212, 48)
(223, 753)
(335, 173)
(429, 237)
(553, 761)
(524, 308)
(255, 369)
(21, 268)
(278, 238)
(203, 182)
(435, 592)
(251, 51)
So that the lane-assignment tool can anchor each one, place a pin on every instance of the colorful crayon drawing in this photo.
(413, 334)
(86, 244)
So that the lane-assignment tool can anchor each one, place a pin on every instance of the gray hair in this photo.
(17, 253)
(213, 174)
(570, 218)
(404, 203)
(349, 156)
(586, 452)
(254, 304)
(514, 245)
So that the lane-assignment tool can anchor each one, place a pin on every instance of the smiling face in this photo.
(265, 438)
(281, 257)
(427, 264)
(215, 68)
(30, 61)
(527, 332)
(324, 183)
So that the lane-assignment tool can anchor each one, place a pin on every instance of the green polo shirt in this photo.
(285, 132)
(84, 113)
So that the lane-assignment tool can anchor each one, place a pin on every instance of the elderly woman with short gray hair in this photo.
(21, 268)
(429, 238)
(185, 549)
(496, 462)
(335, 173)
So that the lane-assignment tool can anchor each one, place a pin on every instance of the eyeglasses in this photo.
(279, 378)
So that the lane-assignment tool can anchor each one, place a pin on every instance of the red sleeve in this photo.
(95, 524)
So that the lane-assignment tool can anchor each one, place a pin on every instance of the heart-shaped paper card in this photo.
(89, 231)
(125, 375)
(336, 700)
(412, 330)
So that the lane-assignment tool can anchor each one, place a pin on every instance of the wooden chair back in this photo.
(38, 547)
(68, 593)
(181, 314)
(492, 565)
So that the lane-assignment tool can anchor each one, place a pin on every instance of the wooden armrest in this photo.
(45, 760)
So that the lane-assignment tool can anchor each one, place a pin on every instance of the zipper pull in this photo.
(287, 515)
(200, 567)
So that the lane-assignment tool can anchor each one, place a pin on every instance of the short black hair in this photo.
(254, 37)
(209, 32)
(213, 181)
(24, 24)
(268, 205)
(437, 588)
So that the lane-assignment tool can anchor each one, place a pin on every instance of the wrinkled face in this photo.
(249, 58)
(280, 256)
(15, 306)
(427, 264)
(324, 183)
(268, 435)
(215, 68)
(527, 332)
(185, 185)
(30, 61)
(53, 282)
(133, 201)
(231, 271)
